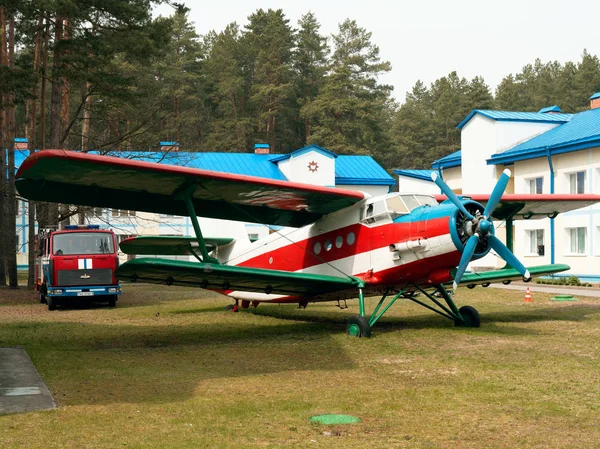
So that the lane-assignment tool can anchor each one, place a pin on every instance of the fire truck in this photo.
(75, 263)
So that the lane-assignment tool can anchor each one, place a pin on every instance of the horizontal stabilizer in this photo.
(169, 245)
(231, 278)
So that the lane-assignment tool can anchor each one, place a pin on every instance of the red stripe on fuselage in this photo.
(301, 255)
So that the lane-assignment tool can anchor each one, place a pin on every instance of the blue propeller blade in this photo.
(465, 258)
(509, 257)
(497, 193)
(450, 194)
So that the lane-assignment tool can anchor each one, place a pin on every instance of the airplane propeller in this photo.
(480, 226)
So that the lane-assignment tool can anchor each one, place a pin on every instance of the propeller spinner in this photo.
(479, 226)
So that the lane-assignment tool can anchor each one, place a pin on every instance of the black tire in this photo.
(470, 317)
(52, 303)
(112, 300)
(358, 326)
(471, 286)
(42, 298)
(506, 282)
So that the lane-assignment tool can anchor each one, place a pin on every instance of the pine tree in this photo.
(350, 113)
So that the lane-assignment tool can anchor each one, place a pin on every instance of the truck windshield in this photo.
(82, 243)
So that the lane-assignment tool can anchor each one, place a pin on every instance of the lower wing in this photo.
(231, 278)
(510, 274)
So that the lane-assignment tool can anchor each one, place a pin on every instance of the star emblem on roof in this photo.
(313, 166)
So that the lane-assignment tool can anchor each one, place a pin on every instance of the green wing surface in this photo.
(169, 245)
(225, 277)
(510, 274)
(103, 181)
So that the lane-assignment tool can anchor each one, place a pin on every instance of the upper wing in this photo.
(227, 278)
(510, 274)
(525, 206)
(104, 181)
(169, 245)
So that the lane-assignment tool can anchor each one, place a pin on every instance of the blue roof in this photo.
(596, 95)
(424, 175)
(452, 160)
(21, 140)
(550, 109)
(317, 148)
(361, 170)
(582, 131)
(511, 116)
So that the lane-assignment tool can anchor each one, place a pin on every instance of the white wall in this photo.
(296, 169)
(406, 184)
(370, 190)
(482, 137)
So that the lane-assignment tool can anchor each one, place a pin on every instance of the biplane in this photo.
(335, 244)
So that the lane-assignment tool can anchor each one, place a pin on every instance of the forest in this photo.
(106, 75)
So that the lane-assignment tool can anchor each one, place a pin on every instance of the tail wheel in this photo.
(470, 317)
(358, 326)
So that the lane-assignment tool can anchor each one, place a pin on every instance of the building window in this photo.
(98, 212)
(577, 240)
(535, 240)
(577, 182)
(123, 213)
(535, 185)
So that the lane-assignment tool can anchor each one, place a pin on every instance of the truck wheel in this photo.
(51, 303)
(42, 298)
(112, 301)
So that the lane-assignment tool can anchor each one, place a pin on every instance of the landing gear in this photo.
(358, 326)
(470, 317)
(233, 307)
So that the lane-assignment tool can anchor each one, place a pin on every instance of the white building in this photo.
(311, 165)
(548, 152)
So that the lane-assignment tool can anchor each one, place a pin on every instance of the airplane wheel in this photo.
(52, 303)
(506, 282)
(471, 286)
(358, 326)
(470, 316)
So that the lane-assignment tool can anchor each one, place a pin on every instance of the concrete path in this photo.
(557, 290)
(21, 387)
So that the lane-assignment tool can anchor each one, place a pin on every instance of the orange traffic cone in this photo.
(528, 296)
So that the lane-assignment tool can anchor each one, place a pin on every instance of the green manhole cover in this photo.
(334, 419)
(563, 298)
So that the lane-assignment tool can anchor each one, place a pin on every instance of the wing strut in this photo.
(186, 196)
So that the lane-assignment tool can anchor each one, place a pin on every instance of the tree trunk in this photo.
(11, 210)
(55, 106)
(42, 209)
(31, 131)
(3, 192)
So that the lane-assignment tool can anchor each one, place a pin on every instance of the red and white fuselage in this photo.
(387, 241)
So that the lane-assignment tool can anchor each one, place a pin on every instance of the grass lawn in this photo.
(170, 368)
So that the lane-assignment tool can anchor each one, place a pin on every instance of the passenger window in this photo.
(339, 241)
(317, 248)
(350, 239)
(328, 245)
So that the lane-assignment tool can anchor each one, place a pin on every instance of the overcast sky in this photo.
(427, 39)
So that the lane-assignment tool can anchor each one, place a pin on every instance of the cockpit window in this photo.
(426, 200)
(395, 205)
(410, 201)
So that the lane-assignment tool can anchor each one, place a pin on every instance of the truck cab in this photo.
(77, 262)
